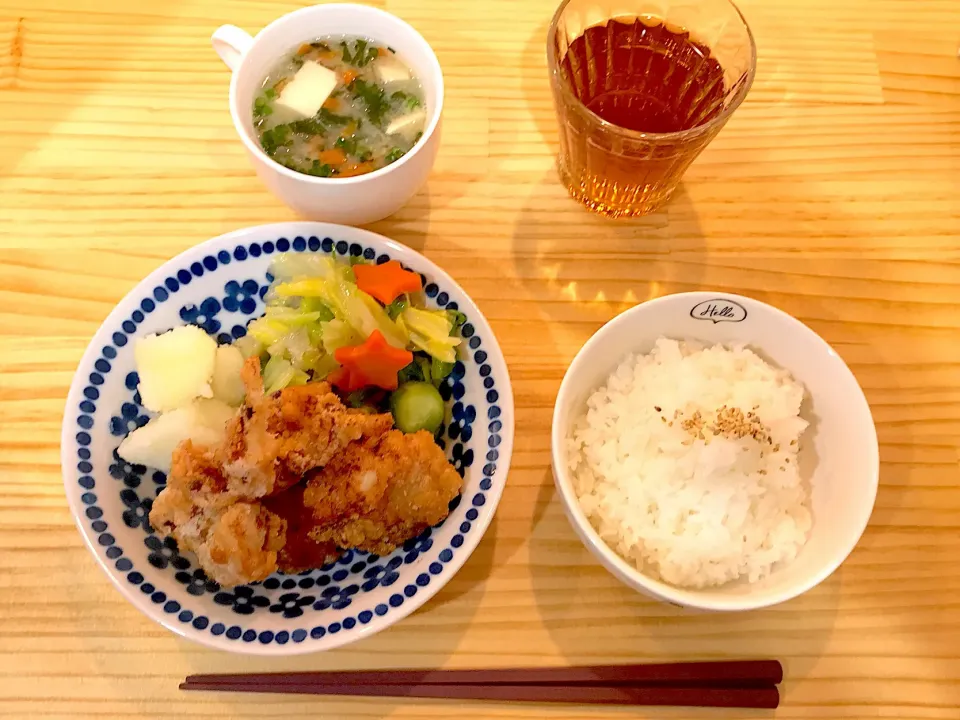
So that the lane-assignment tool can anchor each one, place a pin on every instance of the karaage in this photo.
(377, 494)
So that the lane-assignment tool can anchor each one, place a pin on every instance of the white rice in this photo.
(678, 493)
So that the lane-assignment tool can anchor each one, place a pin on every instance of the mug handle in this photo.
(231, 43)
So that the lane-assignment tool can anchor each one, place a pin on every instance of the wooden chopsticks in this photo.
(736, 683)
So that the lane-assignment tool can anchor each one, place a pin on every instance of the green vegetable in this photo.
(314, 305)
(373, 98)
(351, 146)
(331, 118)
(348, 303)
(417, 406)
(426, 366)
(363, 54)
(369, 399)
(325, 365)
(338, 334)
(292, 317)
(440, 370)
(410, 102)
(261, 106)
(267, 331)
(248, 346)
(429, 330)
(270, 93)
(411, 373)
(274, 139)
(318, 169)
(310, 126)
(357, 260)
(288, 266)
(277, 374)
(457, 318)
(346, 53)
(295, 346)
(376, 318)
(396, 307)
(357, 399)
(394, 155)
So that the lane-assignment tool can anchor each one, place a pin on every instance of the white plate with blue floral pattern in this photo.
(219, 285)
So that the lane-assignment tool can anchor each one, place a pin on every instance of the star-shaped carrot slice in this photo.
(386, 282)
(374, 363)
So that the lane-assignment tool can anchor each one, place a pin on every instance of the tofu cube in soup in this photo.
(308, 90)
(339, 107)
(389, 69)
(409, 124)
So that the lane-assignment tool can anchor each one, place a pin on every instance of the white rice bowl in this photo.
(642, 531)
(685, 462)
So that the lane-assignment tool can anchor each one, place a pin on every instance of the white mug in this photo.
(353, 200)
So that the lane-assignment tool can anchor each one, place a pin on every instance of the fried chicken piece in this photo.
(274, 440)
(376, 495)
(243, 545)
(212, 503)
(235, 538)
(300, 552)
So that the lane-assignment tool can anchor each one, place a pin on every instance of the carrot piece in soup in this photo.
(349, 76)
(304, 49)
(334, 157)
(358, 169)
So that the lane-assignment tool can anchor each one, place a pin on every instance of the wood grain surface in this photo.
(833, 193)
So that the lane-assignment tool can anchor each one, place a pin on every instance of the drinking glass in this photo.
(619, 171)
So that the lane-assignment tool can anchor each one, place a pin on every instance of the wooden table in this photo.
(834, 193)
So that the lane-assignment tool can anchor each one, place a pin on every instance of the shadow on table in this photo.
(588, 268)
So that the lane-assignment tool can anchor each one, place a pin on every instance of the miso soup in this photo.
(339, 107)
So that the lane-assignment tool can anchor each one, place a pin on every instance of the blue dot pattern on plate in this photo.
(342, 585)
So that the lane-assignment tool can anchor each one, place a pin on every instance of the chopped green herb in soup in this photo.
(339, 107)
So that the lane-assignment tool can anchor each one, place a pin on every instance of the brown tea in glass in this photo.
(638, 97)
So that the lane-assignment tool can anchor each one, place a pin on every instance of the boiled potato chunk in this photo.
(226, 384)
(202, 421)
(175, 367)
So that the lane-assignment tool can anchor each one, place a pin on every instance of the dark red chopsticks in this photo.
(735, 683)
